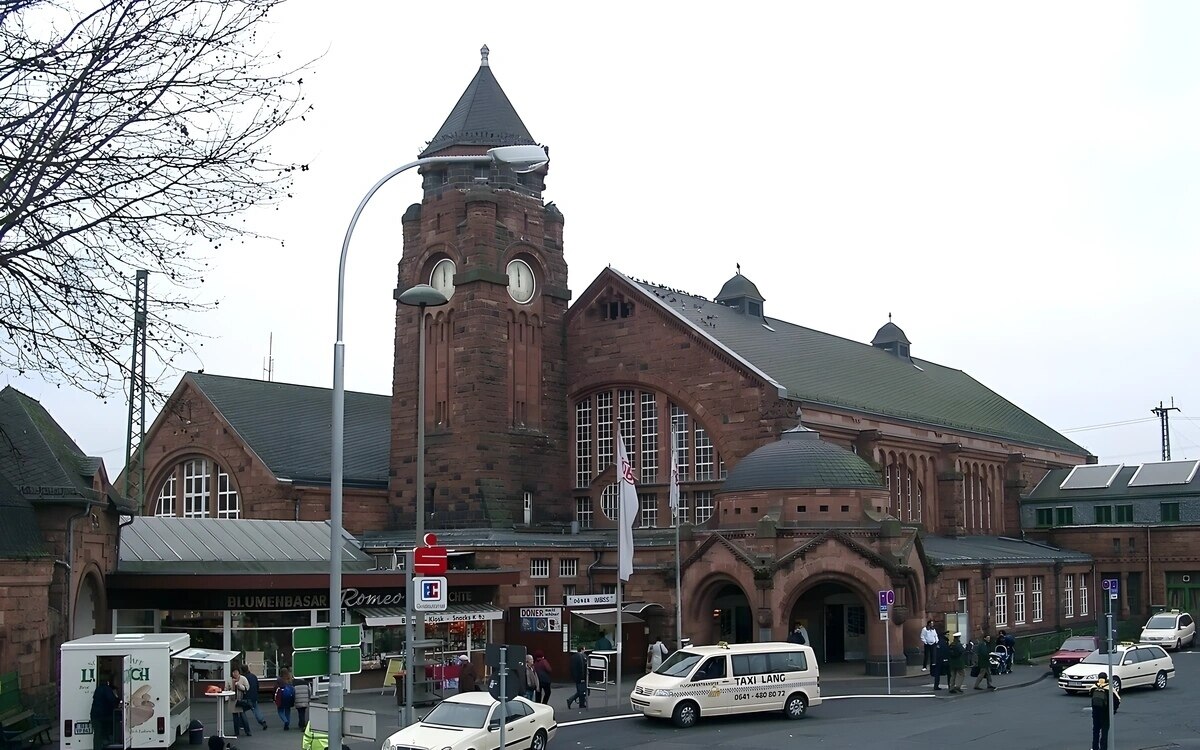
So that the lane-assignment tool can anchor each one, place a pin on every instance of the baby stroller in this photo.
(1000, 660)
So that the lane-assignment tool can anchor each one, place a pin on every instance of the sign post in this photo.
(886, 600)
(312, 653)
(1113, 587)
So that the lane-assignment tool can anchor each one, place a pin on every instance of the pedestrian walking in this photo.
(252, 695)
(285, 698)
(929, 639)
(982, 651)
(602, 643)
(655, 655)
(541, 667)
(579, 677)
(303, 697)
(797, 636)
(941, 665)
(958, 663)
(1101, 692)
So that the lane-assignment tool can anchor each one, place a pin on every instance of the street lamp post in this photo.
(419, 296)
(521, 159)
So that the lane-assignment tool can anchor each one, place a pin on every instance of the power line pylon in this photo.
(1164, 416)
(135, 468)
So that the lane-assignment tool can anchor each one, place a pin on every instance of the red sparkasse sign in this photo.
(429, 560)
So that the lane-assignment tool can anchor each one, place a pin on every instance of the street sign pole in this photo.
(887, 598)
(503, 692)
(409, 631)
(1112, 587)
(887, 641)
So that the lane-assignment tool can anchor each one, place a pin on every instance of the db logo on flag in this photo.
(431, 590)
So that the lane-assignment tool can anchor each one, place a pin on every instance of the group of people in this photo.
(945, 654)
(289, 693)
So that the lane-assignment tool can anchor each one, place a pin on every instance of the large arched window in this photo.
(207, 491)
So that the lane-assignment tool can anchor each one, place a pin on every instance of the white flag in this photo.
(674, 477)
(627, 504)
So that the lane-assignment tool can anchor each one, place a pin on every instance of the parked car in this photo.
(1170, 629)
(1072, 651)
(472, 721)
(1133, 664)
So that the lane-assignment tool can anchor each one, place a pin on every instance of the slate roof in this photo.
(801, 460)
(890, 333)
(181, 546)
(483, 116)
(20, 535)
(287, 426)
(40, 459)
(997, 550)
(737, 287)
(820, 368)
(1048, 491)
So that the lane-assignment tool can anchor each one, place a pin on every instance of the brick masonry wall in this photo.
(27, 625)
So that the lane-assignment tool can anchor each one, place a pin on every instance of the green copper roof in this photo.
(820, 368)
(801, 460)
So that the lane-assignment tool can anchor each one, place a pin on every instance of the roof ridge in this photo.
(199, 376)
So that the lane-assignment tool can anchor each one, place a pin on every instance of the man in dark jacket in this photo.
(104, 708)
(941, 661)
(982, 650)
(252, 695)
(579, 676)
(1101, 692)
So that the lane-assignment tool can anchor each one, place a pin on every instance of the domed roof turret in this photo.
(740, 293)
(801, 460)
(890, 337)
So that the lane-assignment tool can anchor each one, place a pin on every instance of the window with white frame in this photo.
(539, 567)
(605, 447)
(962, 596)
(583, 443)
(649, 437)
(207, 490)
(1001, 599)
(704, 506)
(166, 498)
(679, 426)
(583, 512)
(649, 505)
(608, 501)
(1069, 595)
(227, 496)
(681, 514)
(195, 488)
(541, 596)
(627, 404)
(704, 456)
(1083, 595)
(568, 567)
(608, 589)
(1018, 601)
(1036, 594)
(569, 589)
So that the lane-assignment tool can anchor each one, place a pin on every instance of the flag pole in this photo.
(674, 493)
(620, 634)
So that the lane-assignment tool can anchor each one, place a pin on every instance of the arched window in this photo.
(208, 491)
(905, 490)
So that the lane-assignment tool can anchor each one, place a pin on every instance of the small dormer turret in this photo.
(891, 338)
(741, 294)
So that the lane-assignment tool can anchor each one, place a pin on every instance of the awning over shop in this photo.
(379, 617)
(606, 617)
(639, 608)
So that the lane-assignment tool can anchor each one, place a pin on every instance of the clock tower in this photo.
(495, 387)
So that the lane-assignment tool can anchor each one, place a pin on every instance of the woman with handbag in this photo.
(241, 704)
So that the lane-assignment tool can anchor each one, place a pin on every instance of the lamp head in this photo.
(522, 159)
(422, 295)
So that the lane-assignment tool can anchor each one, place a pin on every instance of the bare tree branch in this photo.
(133, 135)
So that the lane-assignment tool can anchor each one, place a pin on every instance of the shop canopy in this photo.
(606, 617)
(379, 617)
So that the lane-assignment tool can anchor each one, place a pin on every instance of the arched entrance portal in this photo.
(836, 619)
(86, 608)
(733, 620)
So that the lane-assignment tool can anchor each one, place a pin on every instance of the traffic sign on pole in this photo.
(886, 600)
(431, 594)
(315, 637)
(315, 663)
(1112, 586)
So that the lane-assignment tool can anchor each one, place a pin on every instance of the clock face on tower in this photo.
(442, 278)
(520, 281)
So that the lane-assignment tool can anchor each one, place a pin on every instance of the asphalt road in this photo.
(1012, 718)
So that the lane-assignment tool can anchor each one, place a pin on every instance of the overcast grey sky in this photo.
(1017, 183)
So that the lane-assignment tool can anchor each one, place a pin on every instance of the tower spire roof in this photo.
(483, 117)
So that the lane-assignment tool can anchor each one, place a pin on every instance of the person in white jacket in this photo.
(929, 640)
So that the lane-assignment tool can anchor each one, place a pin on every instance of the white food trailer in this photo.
(151, 675)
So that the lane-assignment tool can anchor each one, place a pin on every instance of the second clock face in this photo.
(521, 283)
(442, 278)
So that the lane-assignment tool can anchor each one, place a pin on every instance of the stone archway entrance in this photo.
(723, 613)
(83, 618)
(836, 619)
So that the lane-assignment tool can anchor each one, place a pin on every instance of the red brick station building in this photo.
(816, 471)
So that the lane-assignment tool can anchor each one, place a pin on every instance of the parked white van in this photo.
(700, 681)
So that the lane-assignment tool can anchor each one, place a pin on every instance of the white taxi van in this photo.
(738, 678)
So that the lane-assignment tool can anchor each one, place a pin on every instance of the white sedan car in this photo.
(471, 721)
(1133, 664)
